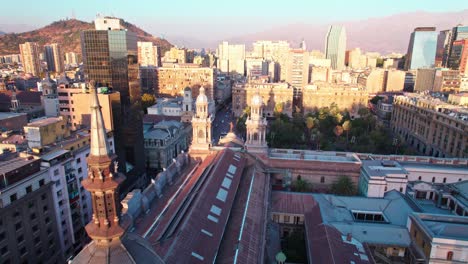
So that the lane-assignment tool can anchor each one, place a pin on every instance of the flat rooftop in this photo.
(442, 226)
(382, 168)
(6, 115)
(331, 156)
(44, 121)
(15, 163)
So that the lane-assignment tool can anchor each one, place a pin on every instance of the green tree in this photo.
(338, 130)
(279, 107)
(147, 100)
(301, 185)
(343, 186)
(347, 127)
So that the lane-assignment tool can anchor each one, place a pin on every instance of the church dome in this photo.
(202, 99)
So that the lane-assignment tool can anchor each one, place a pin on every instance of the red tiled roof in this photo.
(179, 237)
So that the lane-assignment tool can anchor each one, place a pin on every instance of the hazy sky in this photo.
(213, 19)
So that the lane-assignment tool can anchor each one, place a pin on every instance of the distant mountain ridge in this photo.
(67, 34)
(383, 34)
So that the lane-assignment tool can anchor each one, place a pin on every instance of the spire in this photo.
(103, 181)
(99, 145)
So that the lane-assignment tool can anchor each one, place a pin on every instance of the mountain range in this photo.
(67, 34)
(383, 34)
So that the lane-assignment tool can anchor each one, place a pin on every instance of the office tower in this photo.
(54, 58)
(30, 58)
(71, 58)
(148, 54)
(110, 59)
(335, 46)
(298, 73)
(231, 58)
(354, 59)
(458, 59)
(443, 48)
(437, 80)
(460, 32)
(422, 48)
(275, 51)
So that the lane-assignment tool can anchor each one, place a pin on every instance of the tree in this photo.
(347, 127)
(338, 130)
(147, 100)
(338, 118)
(344, 186)
(279, 107)
(301, 185)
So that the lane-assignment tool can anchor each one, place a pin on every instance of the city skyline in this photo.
(183, 27)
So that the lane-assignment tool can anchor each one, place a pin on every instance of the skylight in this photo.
(232, 169)
(226, 183)
(215, 210)
(222, 195)
(212, 218)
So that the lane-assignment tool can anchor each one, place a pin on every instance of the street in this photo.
(221, 123)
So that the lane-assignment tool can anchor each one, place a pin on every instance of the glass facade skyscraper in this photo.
(335, 46)
(422, 48)
(110, 58)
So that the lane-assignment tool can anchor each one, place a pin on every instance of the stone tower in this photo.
(256, 126)
(187, 112)
(201, 124)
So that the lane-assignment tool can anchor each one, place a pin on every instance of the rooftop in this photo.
(383, 168)
(442, 226)
(6, 115)
(40, 122)
(331, 156)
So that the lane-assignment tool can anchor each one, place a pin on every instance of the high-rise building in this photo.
(335, 46)
(71, 58)
(149, 54)
(354, 58)
(110, 59)
(437, 80)
(422, 48)
(176, 55)
(298, 72)
(443, 48)
(231, 58)
(458, 59)
(30, 58)
(276, 52)
(54, 58)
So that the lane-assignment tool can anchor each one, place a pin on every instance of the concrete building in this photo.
(273, 95)
(335, 46)
(46, 131)
(256, 67)
(149, 54)
(458, 59)
(176, 55)
(231, 58)
(422, 48)
(173, 81)
(297, 68)
(395, 81)
(30, 58)
(345, 96)
(163, 142)
(437, 80)
(148, 76)
(71, 58)
(54, 58)
(378, 177)
(382, 80)
(320, 74)
(444, 41)
(458, 99)
(167, 107)
(431, 126)
(28, 225)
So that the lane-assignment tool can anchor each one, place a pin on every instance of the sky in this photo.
(211, 19)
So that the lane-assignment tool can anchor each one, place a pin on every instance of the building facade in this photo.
(335, 46)
(148, 54)
(458, 59)
(30, 58)
(422, 48)
(231, 58)
(274, 95)
(431, 126)
(54, 58)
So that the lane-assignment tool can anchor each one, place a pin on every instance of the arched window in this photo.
(201, 134)
(449, 255)
(433, 179)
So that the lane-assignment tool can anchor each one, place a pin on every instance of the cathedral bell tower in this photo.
(256, 127)
(201, 124)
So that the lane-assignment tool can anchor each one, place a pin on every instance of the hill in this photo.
(67, 34)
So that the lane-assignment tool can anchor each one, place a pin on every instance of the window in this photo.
(433, 179)
(41, 182)
(4, 250)
(13, 197)
(20, 239)
(2, 236)
(445, 180)
(33, 216)
(322, 179)
(286, 218)
(419, 178)
(35, 228)
(80, 170)
(18, 226)
(450, 255)
(29, 189)
(401, 189)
